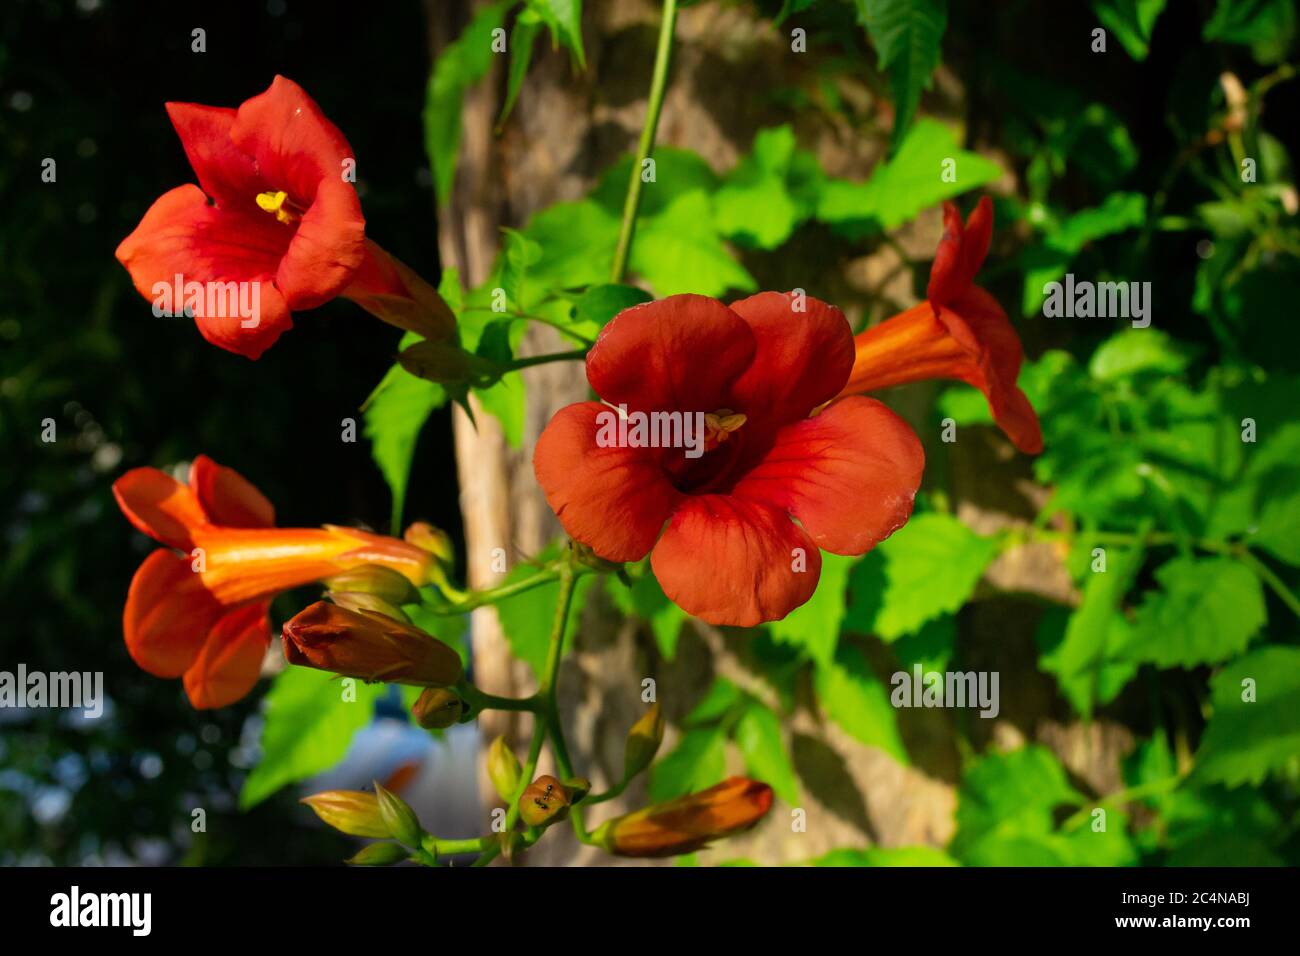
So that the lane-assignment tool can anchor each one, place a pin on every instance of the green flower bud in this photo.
(378, 854)
(503, 768)
(643, 742)
(398, 816)
(437, 707)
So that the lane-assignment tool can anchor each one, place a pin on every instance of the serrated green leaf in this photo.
(697, 762)
(459, 66)
(909, 182)
(645, 599)
(907, 35)
(758, 735)
(1206, 611)
(1132, 22)
(1245, 740)
(928, 568)
(815, 626)
(851, 695)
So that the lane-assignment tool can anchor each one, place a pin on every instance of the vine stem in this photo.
(547, 714)
(1127, 795)
(654, 106)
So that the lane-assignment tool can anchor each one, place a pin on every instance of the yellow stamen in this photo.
(719, 425)
(275, 202)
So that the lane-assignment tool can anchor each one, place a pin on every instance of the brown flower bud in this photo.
(687, 823)
(368, 646)
(545, 800)
(437, 707)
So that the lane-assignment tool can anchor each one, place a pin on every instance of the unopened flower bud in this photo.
(437, 707)
(378, 854)
(353, 812)
(687, 823)
(434, 540)
(643, 741)
(503, 768)
(400, 819)
(368, 646)
(545, 800)
(374, 579)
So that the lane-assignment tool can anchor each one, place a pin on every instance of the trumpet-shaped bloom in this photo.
(688, 823)
(274, 226)
(203, 614)
(959, 332)
(719, 518)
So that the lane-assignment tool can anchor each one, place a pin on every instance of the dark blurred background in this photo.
(84, 83)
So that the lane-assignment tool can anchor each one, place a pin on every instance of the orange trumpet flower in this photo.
(203, 615)
(960, 332)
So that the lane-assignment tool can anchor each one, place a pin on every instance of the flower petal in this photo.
(160, 506)
(168, 614)
(181, 235)
(803, 358)
(327, 248)
(614, 500)
(230, 660)
(681, 353)
(303, 153)
(226, 174)
(848, 474)
(961, 252)
(731, 561)
(228, 497)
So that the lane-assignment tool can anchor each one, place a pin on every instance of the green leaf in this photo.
(770, 192)
(907, 35)
(852, 696)
(394, 416)
(1006, 809)
(1131, 21)
(815, 626)
(716, 704)
(911, 181)
(1206, 611)
(886, 856)
(308, 729)
(697, 762)
(928, 568)
(932, 646)
(679, 250)
(1138, 351)
(564, 17)
(1267, 26)
(1049, 260)
(758, 735)
(600, 303)
(645, 599)
(1082, 660)
(522, 37)
(1245, 741)
(461, 64)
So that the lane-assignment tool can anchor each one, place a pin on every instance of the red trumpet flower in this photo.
(745, 379)
(959, 332)
(203, 614)
(276, 227)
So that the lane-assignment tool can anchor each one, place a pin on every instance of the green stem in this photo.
(658, 83)
(1265, 574)
(546, 697)
(491, 595)
(480, 700)
(1127, 795)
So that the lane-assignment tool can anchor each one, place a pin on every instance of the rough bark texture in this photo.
(565, 129)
